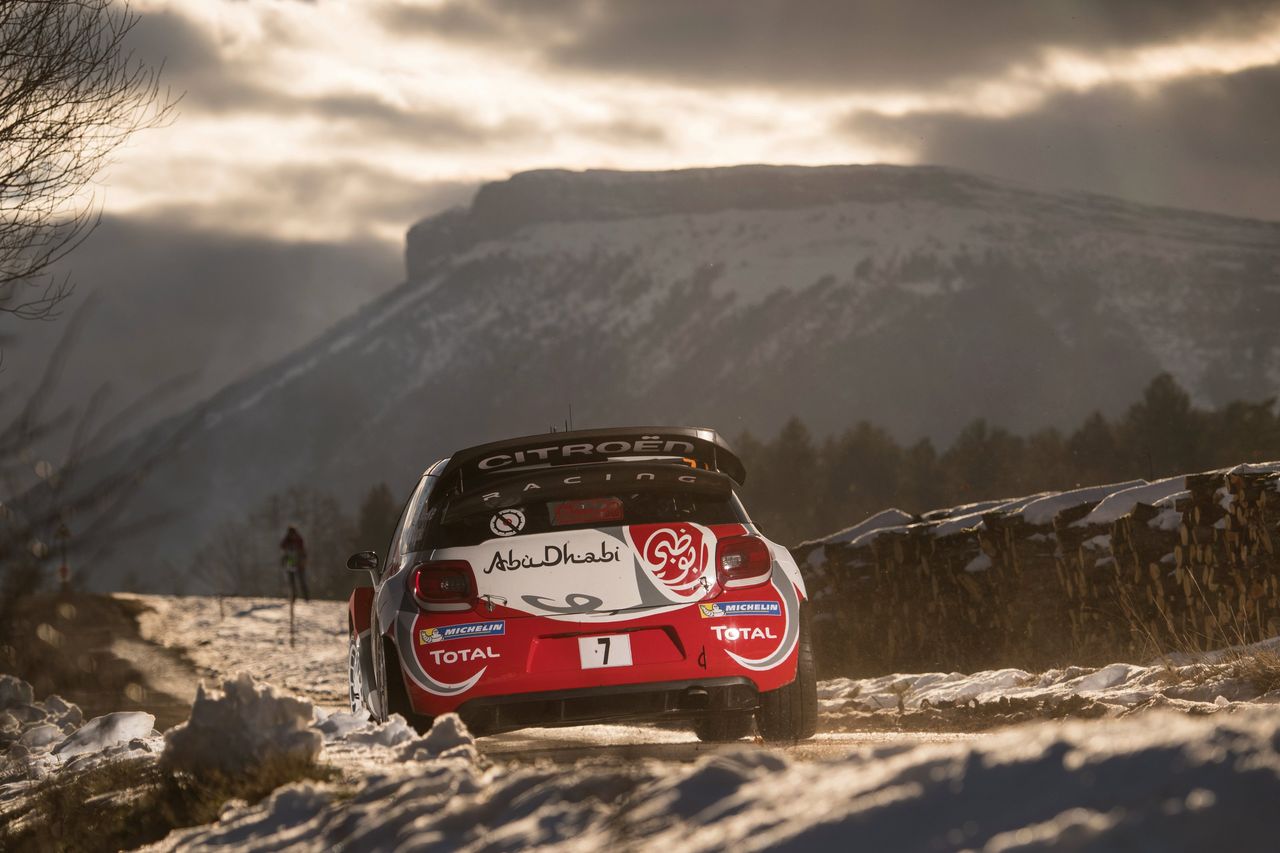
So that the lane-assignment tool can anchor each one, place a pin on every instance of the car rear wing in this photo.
(702, 448)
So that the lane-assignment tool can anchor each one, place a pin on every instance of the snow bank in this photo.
(1255, 468)
(1039, 509)
(242, 727)
(448, 739)
(976, 508)
(1122, 502)
(1191, 685)
(882, 519)
(1166, 782)
(1042, 510)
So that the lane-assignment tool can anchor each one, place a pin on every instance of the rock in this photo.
(104, 732)
(14, 691)
(61, 711)
(27, 714)
(41, 736)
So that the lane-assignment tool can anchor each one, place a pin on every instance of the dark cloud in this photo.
(352, 192)
(195, 68)
(432, 126)
(625, 131)
(366, 114)
(165, 37)
(1209, 142)
(845, 44)
(339, 196)
(170, 300)
(167, 300)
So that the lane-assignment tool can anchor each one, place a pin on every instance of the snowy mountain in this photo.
(917, 298)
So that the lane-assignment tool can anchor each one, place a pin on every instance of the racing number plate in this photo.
(597, 652)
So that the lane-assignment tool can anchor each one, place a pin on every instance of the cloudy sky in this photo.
(345, 118)
(310, 135)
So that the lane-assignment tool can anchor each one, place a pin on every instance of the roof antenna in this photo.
(569, 426)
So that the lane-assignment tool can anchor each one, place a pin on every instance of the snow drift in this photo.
(1166, 782)
(241, 727)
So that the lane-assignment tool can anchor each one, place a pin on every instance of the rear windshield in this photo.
(602, 495)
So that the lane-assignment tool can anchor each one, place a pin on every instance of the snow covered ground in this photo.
(1165, 782)
(252, 635)
(1195, 686)
(38, 738)
(1157, 780)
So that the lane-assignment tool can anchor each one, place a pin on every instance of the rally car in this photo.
(582, 577)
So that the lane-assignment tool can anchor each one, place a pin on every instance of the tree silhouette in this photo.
(70, 94)
(796, 490)
(379, 513)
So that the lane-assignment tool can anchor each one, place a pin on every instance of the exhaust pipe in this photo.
(695, 699)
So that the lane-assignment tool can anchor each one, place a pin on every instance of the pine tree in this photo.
(1162, 432)
(377, 520)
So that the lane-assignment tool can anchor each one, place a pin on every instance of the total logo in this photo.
(439, 656)
(726, 632)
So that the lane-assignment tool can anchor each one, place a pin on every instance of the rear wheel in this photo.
(356, 687)
(721, 728)
(791, 712)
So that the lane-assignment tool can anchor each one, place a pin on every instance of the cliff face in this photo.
(917, 298)
(545, 196)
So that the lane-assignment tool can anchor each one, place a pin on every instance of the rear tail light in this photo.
(443, 585)
(742, 561)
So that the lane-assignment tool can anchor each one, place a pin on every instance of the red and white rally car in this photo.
(583, 577)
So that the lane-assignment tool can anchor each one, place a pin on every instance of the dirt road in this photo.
(220, 639)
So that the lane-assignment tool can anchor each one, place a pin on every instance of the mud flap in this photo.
(360, 608)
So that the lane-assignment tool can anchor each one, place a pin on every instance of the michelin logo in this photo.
(467, 630)
(740, 608)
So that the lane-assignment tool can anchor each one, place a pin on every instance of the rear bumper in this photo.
(508, 658)
(670, 700)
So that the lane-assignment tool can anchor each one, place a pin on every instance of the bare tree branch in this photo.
(70, 94)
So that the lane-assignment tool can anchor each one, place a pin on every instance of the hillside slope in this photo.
(919, 298)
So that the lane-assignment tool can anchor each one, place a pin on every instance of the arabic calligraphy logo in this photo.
(677, 555)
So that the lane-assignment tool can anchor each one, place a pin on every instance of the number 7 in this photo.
(605, 641)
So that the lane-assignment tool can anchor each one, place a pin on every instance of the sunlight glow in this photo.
(323, 84)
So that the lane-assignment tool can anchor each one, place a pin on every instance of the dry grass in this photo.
(1241, 655)
(1259, 667)
(125, 804)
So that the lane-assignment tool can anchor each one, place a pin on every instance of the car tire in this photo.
(723, 727)
(358, 663)
(397, 697)
(790, 713)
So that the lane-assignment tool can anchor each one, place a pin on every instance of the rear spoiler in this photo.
(466, 468)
